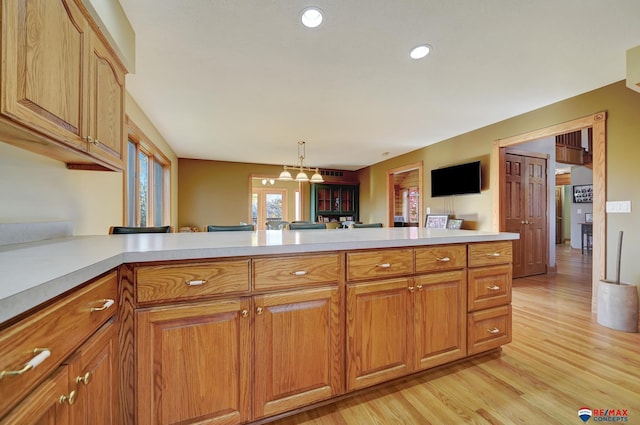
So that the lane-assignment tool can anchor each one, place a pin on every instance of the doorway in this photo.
(268, 204)
(598, 124)
(404, 190)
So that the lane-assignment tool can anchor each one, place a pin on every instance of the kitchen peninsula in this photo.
(234, 327)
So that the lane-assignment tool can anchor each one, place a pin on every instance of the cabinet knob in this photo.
(244, 313)
(412, 288)
(419, 287)
(259, 310)
(71, 398)
(84, 379)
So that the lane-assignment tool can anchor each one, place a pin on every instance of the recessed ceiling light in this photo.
(420, 51)
(311, 17)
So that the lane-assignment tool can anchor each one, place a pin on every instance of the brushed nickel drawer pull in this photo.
(196, 282)
(383, 265)
(493, 288)
(42, 355)
(493, 331)
(106, 304)
(299, 273)
(443, 259)
(493, 254)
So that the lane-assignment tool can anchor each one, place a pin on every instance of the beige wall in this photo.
(623, 150)
(35, 188)
(219, 192)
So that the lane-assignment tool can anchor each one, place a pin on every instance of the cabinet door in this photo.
(297, 354)
(45, 68)
(324, 199)
(440, 318)
(378, 324)
(348, 199)
(48, 404)
(93, 374)
(106, 105)
(193, 363)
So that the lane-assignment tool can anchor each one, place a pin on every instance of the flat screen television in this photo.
(458, 179)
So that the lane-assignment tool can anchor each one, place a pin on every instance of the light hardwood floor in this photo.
(560, 360)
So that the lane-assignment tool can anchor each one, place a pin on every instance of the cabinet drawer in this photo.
(488, 329)
(379, 264)
(442, 257)
(489, 287)
(191, 281)
(285, 272)
(488, 253)
(59, 328)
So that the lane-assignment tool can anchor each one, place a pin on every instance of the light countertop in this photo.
(32, 273)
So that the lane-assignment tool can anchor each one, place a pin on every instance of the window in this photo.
(147, 200)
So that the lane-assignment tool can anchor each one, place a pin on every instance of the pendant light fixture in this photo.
(301, 169)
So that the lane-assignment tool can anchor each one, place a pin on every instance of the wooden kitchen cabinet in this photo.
(193, 363)
(489, 296)
(47, 404)
(59, 329)
(297, 349)
(62, 88)
(379, 315)
(106, 126)
(93, 375)
(440, 318)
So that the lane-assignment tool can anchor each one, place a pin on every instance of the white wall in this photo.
(35, 188)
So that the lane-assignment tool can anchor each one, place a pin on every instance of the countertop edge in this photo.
(40, 292)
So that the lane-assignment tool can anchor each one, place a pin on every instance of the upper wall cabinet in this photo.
(62, 87)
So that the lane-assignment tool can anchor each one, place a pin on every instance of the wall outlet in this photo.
(618, 206)
(428, 210)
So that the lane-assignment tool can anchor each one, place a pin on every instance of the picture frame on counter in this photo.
(436, 221)
(455, 223)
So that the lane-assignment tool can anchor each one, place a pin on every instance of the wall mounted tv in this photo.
(458, 179)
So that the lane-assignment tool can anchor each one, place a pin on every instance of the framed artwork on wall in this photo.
(583, 193)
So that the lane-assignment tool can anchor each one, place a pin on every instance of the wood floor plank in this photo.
(560, 360)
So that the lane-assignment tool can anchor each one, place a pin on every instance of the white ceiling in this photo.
(243, 80)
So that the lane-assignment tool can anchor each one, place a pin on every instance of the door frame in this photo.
(390, 191)
(598, 122)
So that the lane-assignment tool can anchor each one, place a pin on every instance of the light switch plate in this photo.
(618, 206)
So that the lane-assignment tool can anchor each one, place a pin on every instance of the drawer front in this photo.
(488, 329)
(489, 287)
(191, 281)
(295, 271)
(59, 328)
(379, 264)
(488, 253)
(442, 257)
